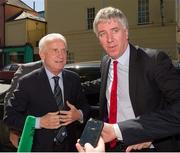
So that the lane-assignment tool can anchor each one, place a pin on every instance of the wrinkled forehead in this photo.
(47, 41)
(50, 41)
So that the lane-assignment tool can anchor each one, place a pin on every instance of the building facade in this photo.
(152, 24)
(20, 26)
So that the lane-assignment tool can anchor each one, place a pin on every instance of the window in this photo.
(90, 17)
(15, 57)
(143, 11)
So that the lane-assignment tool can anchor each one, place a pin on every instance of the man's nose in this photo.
(110, 37)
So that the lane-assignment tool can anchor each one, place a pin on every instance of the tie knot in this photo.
(56, 79)
(115, 62)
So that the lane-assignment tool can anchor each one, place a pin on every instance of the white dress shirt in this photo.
(124, 107)
(52, 84)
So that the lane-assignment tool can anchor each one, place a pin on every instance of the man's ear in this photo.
(127, 34)
(41, 55)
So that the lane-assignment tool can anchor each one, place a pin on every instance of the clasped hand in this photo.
(54, 120)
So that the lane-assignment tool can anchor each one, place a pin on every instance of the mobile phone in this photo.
(61, 135)
(91, 132)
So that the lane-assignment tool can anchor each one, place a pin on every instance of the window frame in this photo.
(143, 12)
(90, 17)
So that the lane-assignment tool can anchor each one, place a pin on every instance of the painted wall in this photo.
(69, 18)
(22, 31)
(15, 33)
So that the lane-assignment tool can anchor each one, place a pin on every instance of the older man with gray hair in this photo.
(54, 96)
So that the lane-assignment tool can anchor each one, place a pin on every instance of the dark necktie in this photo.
(62, 133)
(113, 100)
(58, 93)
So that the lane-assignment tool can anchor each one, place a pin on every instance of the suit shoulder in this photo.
(155, 54)
(70, 73)
(151, 52)
(31, 75)
(154, 58)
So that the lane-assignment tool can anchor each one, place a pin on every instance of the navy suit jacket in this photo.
(154, 89)
(33, 96)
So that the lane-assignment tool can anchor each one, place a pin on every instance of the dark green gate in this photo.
(18, 54)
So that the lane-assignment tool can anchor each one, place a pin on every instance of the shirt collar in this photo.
(51, 75)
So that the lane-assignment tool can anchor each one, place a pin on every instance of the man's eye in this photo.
(102, 34)
(55, 50)
(63, 50)
(115, 30)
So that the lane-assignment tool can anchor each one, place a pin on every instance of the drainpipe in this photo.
(162, 12)
(177, 11)
(178, 14)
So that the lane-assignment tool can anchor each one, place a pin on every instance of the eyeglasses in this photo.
(58, 51)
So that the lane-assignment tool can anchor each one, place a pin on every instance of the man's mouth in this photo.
(111, 47)
(58, 62)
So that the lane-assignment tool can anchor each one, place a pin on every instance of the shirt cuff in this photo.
(37, 124)
(117, 132)
(81, 118)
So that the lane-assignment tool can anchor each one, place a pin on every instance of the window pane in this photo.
(90, 17)
(143, 11)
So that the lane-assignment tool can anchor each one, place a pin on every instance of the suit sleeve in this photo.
(10, 96)
(22, 70)
(82, 101)
(14, 82)
(16, 108)
(164, 121)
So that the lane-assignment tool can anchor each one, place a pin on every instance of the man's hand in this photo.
(14, 138)
(89, 148)
(138, 146)
(50, 120)
(67, 117)
(108, 133)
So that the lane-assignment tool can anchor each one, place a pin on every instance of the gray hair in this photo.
(50, 37)
(107, 13)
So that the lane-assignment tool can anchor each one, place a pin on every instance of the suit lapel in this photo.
(66, 85)
(45, 86)
(45, 82)
(105, 70)
(103, 101)
(133, 77)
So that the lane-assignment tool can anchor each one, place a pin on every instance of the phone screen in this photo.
(91, 132)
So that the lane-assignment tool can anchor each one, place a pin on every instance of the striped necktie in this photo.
(58, 93)
(62, 132)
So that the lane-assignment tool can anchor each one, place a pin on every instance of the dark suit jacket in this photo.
(34, 96)
(154, 88)
(22, 70)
